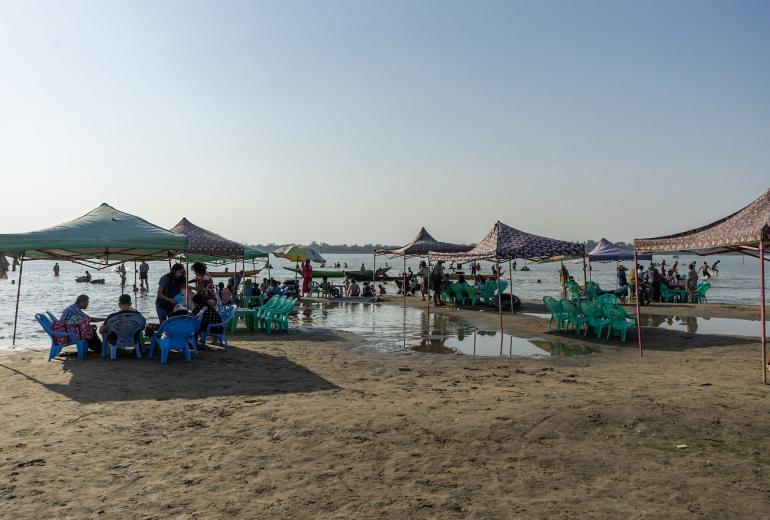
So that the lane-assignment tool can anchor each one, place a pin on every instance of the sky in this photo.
(360, 121)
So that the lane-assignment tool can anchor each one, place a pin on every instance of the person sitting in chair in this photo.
(355, 289)
(210, 314)
(124, 304)
(79, 323)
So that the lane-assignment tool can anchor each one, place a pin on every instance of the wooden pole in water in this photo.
(762, 315)
(374, 266)
(638, 306)
(18, 295)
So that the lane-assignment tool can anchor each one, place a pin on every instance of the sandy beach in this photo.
(300, 426)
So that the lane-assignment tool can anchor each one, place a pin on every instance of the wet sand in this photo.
(300, 426)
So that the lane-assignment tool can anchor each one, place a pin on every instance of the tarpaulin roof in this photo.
(607, 251)
(424, 243)
(740, 231)
(104, 234)
(507, 243)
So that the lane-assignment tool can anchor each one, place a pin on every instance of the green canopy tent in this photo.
(101, 238)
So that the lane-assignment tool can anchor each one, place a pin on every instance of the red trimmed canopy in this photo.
(739, 232)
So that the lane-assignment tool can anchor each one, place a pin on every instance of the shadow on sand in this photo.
(212, 373)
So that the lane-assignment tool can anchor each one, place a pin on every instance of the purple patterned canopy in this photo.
(207, 243)
(507, 243)
(422, 244)
(742, 229)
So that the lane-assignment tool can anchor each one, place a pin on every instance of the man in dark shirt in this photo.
(169, 287)
(124, 304)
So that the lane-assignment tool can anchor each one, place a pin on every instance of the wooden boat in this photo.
(358, 275)
(228, 274)
(469, 276)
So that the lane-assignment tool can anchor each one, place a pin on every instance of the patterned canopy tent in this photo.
(507, 243)
(206, 244)
(422, 244)
(747, 231)
(606, 251)
(740, 232)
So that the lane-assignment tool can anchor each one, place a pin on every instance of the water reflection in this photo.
(704, 325)
(387, 328)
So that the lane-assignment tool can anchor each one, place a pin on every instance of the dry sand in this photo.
(299, 426)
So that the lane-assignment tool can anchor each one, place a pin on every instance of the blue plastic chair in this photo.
(126, 327)
(227, 315)
(177, 333)
(56, 348)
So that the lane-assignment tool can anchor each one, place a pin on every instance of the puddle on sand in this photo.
(693, 325)
(392, 329)
(487, 343)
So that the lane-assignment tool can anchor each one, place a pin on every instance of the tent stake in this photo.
(638, 307)
(762, 308)
(18, 295)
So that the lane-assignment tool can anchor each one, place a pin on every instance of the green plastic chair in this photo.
(667, 295)
(618, 321)
(595, 320)
(448, 294)
(574, 293)
(575, 317)
(607, 298)
(557, 314)
(700, 292)
(592, 291)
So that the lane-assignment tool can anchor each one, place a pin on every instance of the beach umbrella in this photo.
(299, 254)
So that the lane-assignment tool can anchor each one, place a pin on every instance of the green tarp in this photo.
(105, 235)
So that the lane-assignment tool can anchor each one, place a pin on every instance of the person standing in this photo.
(307, 277)
(144, 270)
(170, 288)
(425, 273)
(204, 284)
(56, 269)
(563, 279)
(692, 283)
(705, 270)
(437, 279)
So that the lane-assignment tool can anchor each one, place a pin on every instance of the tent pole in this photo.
(762, 315)
(18, 295)
(584, 270)
(428, 286)
(499, 303)
(135, 287)
(404, 283)
(122, 275)
(638, 307)
(510, 276)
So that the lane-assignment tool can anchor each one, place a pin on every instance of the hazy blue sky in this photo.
(360, 121)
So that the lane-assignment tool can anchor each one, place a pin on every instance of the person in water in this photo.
(56, 269)
(307, 277)
(715, 268)
(705, 270)
(144, 270)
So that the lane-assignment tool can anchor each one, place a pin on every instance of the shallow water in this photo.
(738, 283)
(693, 325)
(392, 329)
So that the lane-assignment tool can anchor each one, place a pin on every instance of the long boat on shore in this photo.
(366, 274)
(227, 274)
